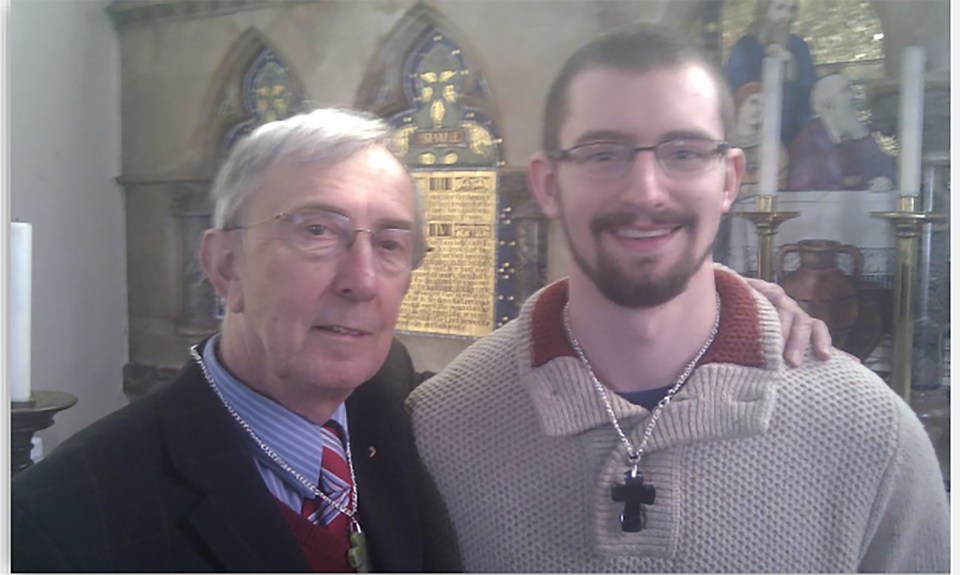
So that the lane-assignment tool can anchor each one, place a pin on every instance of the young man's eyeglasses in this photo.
(612, 160)
(321, 232)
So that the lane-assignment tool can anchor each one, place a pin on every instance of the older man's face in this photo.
(841, 110)
(315, 324)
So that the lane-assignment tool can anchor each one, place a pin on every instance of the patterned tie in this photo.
(335, 483)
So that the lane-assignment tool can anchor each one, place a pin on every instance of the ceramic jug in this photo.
(820, 287)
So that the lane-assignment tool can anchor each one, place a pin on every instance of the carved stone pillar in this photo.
(198, 309)
(171, 306)
(531, 227)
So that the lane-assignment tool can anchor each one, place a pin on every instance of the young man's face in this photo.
(642, 235)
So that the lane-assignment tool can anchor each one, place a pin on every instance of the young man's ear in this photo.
(542, 179)
(734, 165)
(218, 259)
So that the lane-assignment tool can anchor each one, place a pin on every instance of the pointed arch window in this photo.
(268, 91)
(487, 236)
(267, 94)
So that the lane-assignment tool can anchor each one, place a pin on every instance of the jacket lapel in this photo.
(381, 444)
(235, 515)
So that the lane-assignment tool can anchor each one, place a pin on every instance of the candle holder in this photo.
(907, 222)
(766, 219)
(29, 417)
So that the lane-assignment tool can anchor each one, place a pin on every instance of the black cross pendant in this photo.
(634, 495)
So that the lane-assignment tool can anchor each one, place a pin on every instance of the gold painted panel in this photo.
(451, 293)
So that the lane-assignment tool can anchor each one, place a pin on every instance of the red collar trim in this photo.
(738, 340)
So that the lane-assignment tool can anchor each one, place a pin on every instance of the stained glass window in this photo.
(474, 280)
(266, 94)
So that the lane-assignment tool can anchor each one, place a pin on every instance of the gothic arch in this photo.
(427, 81)
(226, 105)
(382, 88)
(230, 108)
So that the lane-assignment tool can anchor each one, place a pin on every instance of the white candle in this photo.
(21, 256)
(911, 119)
(770, 129)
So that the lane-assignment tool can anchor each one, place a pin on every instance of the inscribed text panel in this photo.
(452, 293)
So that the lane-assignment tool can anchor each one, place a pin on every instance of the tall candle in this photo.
(770, 129)
(21, 256)
(911, 119)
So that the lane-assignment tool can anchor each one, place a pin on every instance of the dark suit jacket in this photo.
(168, 484)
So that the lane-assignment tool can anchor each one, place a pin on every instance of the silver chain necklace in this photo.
(633, 492)
(358, 555)
(273, 455)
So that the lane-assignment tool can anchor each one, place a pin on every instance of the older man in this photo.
(283, 444)
(637, 416)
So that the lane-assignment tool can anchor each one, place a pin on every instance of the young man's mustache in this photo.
(622, 218)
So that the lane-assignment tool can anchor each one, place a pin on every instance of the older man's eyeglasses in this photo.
(320, 232)
(612, 160)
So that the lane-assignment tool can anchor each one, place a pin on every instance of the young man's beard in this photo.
(618, 284)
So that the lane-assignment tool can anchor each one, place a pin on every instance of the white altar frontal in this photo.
(842, 216)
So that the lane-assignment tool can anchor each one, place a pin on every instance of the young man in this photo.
(637, 416)
(285, 435)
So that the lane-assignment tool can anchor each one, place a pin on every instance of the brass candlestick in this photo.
(766, 220)
(908, 223)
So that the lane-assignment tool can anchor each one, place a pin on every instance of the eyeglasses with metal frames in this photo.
(321, 232)
(611, 160)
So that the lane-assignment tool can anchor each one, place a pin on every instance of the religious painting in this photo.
(770, 35)
(830, 54)
(835, 150)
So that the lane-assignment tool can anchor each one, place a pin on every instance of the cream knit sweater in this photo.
(758, 467)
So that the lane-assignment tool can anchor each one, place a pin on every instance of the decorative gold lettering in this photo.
(453, 292)
(442, 137)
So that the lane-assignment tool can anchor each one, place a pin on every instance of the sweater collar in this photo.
(730, 394)
(738, 339)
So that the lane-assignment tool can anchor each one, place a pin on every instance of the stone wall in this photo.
(177, 56)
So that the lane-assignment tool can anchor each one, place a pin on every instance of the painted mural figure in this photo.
(769, 35)
(836, 151)
(735, 234)
(748, 100)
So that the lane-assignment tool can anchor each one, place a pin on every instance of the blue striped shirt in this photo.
(294, 438)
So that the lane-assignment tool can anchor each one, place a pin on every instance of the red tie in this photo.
(335, 483)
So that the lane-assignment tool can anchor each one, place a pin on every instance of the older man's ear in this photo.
(218, 260)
